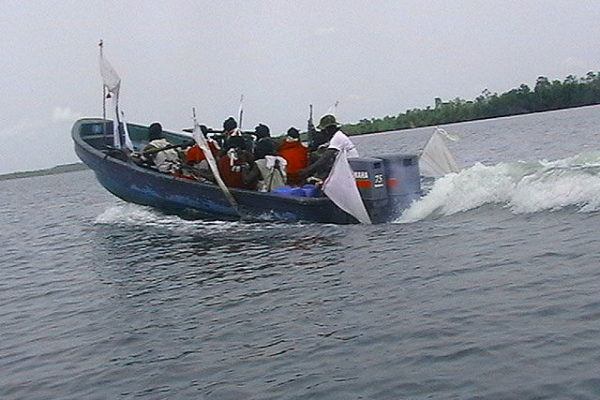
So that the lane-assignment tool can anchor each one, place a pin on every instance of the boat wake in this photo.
(136, 215)
(522, 187)
(129, 214)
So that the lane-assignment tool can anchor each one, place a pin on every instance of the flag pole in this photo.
(101, 45)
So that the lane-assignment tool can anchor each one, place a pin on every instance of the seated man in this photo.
(234, 162)
(159, 151)
(268, 171)
(337, 141)
(296, 155)
(195, 155)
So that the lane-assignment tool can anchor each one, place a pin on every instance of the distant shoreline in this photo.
(59, 169)
(547, 95)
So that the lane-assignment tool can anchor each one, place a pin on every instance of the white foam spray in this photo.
(136, 215)
(128, 214)
(522, 187)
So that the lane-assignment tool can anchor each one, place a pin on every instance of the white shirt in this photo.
(340, 142)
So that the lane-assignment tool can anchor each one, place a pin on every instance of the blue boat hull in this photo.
(192, 199)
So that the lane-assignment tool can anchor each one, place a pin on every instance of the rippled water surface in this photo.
(488, 288)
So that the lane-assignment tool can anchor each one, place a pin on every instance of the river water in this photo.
(487, 288)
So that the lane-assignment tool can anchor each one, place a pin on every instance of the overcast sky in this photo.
(376, 58)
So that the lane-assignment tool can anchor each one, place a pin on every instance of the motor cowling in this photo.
(370, 179)
(403, 181)
(387, 184)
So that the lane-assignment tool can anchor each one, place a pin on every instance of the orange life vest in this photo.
(296, 155)
(195, 154)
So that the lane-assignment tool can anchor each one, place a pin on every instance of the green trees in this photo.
(546, 95)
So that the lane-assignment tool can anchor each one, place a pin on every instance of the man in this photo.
(195, 155)
(335, 141)
(262, 132)
(166, 160)
(295, 153)
(230, 127)
(268, 171)
(234, 162)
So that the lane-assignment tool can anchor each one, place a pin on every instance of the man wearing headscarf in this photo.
(166, 160)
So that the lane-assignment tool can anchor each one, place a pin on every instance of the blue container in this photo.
(283, 190)
(310, 190)
(296, 191)
(290, 191)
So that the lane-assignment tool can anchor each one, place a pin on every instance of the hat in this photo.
(229, 124)
(293, 133)
(326, 121)
(155, 131)
(262, 131)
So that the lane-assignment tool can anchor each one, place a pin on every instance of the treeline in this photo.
(546, 95)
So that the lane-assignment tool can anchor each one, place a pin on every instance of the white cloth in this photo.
(112, 83)
(273, 173)
(436, 160)
(340, 187)
(110, 78)
(271, 161)
(128, 142)
(166, 160)
(203, 144)
(340, 142)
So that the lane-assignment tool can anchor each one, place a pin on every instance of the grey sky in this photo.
(377, 58)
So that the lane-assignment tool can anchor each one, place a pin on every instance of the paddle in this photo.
(201, 142)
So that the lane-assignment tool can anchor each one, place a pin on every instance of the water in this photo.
(485, 289)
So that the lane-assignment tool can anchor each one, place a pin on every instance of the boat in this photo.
(387, 184)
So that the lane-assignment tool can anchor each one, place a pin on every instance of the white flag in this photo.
(128, 142)
(436, 160)
(333, 108)
(340, 187)
(112, 81)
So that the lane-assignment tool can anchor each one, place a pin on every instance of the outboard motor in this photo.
(370, 178)
(387, 184)
(403, 181)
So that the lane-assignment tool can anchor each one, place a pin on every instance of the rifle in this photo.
(208, 130)
(173, 146)
(311, 127)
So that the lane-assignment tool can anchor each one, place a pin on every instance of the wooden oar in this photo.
(201, 142)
